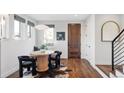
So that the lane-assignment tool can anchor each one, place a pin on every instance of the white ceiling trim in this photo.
(58, 17)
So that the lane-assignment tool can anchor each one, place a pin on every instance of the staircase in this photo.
(117, 74)
(118, 56)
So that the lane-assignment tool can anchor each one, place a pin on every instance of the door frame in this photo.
(80, 38)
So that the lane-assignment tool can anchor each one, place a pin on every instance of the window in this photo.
(30, 25)
(18, 22)
(17, 32)
(49, 36)
(29, 31)
(2, 27)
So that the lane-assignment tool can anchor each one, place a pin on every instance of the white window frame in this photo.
(19, 35)
(29, 31)
(47, 42)
(3, 27)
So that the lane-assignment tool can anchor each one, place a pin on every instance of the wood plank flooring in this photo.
(78, 68)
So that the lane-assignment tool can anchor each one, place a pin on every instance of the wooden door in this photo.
(74, 34)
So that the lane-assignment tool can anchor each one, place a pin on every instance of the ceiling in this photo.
(58, 17)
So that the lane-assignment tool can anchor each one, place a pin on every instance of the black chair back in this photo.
(26, 58)
(27, 62)
(56, 59)
(58, 53)
(36, 48)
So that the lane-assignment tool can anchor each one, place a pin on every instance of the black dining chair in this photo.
(36, 48)
(27, 62)
(54, 60)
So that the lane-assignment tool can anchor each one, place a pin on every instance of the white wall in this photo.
(11, 48)
(60, 26)
(89, 39)
(122, 21)
(103, 49)
(98, 52)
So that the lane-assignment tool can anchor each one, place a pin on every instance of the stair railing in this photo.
(118, 50)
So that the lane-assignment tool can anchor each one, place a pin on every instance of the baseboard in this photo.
(64, 58)
(14, 69)
(100, 72)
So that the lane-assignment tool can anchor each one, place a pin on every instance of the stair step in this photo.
(111, 75)
(119, 74)
(123, 68)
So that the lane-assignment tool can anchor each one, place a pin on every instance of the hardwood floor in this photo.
(77, 69)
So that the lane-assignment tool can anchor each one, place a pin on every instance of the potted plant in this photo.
(43, 47)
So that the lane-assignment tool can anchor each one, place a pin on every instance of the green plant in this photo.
(43, 46)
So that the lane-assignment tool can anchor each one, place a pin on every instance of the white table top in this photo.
(41, 52)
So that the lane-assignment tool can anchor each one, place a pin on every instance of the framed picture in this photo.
(60, 36)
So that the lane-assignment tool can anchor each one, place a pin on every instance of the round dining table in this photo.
(42, 59)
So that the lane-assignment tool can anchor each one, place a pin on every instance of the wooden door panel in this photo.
(74, 40)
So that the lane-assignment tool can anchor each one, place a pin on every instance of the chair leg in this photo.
(34, 72)
(57, 63)
(21, 72)
(28, 69)
(49, 64)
